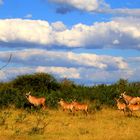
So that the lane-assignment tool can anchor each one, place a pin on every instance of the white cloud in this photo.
(105, 76)
(118, 33)
(81, 75)
(84, 68)
(123, 11)
(58, 72)
(134, 62)
(115, 42)
(100, 35)
(12, 72)
(134, 59)
(136, 75)
(36, 57)
(58, 26)
(25, 31)
(96, 6)
(85, 5)
(81, 67)
(28, 16)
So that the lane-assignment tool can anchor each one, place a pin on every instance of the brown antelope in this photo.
(126, 98)
(132, 107)
(129, 99)
(65, 105)
(135, 100)
(36, 101)
(121, 106)
(80, 107)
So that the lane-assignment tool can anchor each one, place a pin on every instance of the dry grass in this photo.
(107, 124)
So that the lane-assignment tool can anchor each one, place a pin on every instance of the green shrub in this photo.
(45, 85)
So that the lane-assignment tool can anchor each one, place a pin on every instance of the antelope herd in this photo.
(73, 106)
(124, 103)
(129, 103)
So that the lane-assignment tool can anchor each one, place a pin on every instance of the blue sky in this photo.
(88, 41)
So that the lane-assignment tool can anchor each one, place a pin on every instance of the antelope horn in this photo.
(28, 93)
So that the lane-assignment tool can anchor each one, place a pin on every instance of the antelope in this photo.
(36, 101)
(79, 106)
(121, 106)
(132, 107)
(135, 100)
(126, 98)
(65, 105)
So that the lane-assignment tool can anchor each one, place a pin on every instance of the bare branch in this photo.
(7, 62)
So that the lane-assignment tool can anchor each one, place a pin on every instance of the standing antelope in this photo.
(79, 106)
(65, 105)
(132, 107)
(126, 98)
(135, 100)
(36, 101)
(121, 106)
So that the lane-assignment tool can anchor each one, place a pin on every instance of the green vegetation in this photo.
(42, 84)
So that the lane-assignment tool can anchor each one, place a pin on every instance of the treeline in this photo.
(43, 84)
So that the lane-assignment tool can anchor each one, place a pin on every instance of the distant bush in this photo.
(38, 82)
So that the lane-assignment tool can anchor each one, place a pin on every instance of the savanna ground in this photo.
(106, 124)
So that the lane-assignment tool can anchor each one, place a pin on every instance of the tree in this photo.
(122, 85)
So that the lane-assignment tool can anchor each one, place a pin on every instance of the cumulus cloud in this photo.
(58, 26)
(84, 68)
(58, 72)
(122, 33)
(118, 33)
(96, 6)
(80, 75)
(25, 31)
(85, 5)
(35, 57)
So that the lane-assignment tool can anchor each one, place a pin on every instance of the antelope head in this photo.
(61, 100)
(28, 93)
(122, 94)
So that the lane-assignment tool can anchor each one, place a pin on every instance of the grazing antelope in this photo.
(121, 106)
(36, 101)
(81, 107)
(126, 98)
(65, 105)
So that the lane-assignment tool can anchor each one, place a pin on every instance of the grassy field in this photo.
(106, 124)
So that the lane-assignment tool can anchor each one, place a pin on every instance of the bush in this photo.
(45, 85)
